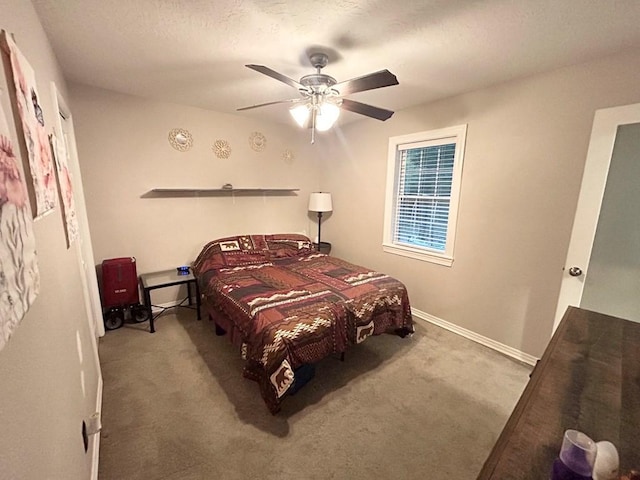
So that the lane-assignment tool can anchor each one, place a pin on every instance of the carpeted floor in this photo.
(175, 406)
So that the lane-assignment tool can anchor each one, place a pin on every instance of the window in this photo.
(423, 185)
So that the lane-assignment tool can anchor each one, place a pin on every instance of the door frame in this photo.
(594, 181)
(85, 250)
(85, 258)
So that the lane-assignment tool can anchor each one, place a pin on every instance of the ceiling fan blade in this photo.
(364, 109)
(383, 78)
(278, 76)
(293, 100)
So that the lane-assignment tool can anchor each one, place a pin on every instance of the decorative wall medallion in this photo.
(180, 139)
(257, 141)
(221, 148)
(288, 156)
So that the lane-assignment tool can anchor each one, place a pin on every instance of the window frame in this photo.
(457, 135)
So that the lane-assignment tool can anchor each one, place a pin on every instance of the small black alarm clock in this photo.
(184, 270)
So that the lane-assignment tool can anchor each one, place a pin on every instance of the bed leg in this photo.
(219, 330)
(403, 332)
(342, 357)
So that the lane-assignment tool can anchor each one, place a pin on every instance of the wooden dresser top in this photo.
(588, 379)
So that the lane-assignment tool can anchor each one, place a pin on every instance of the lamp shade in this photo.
(327, 115)
(300, 114)
(320, 202)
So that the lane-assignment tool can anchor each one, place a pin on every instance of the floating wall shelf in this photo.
(211, 192)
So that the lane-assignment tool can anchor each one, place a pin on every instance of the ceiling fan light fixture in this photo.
(323, 97)
(327, 115)
(300, 114)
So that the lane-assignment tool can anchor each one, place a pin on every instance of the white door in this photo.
(614, 268)
(92, 375)
(83, 247)
(594, 180)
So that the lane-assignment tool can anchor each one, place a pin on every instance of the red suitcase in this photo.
(120, 292)
(119, 282)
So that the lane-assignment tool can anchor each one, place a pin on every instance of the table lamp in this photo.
(320, 202)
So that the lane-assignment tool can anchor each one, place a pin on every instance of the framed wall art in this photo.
(19, 274)
(59, 149)
(33, 130)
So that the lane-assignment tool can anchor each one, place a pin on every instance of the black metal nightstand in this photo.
(325, 247)
(168, 278)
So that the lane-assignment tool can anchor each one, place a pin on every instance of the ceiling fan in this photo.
(322, 97)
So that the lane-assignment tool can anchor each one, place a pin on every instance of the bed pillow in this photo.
(243, 250)
(288, 245)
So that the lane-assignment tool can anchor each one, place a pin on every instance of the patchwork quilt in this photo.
(292, 305)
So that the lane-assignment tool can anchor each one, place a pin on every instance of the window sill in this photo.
(418, 254)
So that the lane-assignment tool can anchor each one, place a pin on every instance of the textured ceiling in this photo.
(193, 51)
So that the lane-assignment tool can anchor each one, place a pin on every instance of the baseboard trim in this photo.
(95, 447)
(487, 342)
(463, 332)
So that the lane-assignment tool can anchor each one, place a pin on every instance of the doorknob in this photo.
(575, 271)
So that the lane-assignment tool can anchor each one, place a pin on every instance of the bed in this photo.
(286, 306)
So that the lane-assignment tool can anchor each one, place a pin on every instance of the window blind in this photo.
(424, 196)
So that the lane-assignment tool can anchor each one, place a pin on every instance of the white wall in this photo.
(124, 150)
(42, 402)
(525, 152)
